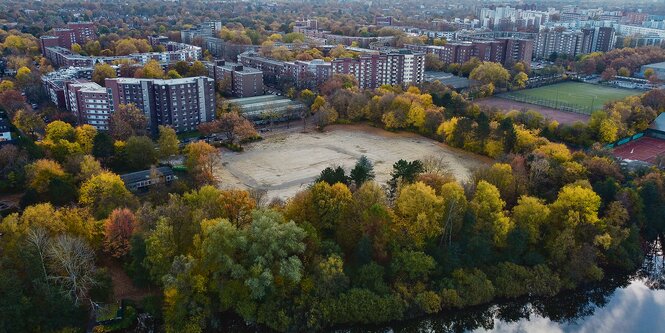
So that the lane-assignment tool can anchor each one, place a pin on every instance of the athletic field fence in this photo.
(554, 104)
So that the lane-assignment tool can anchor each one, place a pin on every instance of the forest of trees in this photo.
(553, 212)
(344, 251)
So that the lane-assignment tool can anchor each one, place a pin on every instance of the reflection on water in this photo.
(627, 304)
(620, 303)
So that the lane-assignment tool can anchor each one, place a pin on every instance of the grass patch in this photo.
(571, 96)
(189, 135)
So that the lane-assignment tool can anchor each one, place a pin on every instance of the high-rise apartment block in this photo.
(179, 103)
(402, 67)
(573, 43)
(89, 102)
(236, 79)
(506, 51)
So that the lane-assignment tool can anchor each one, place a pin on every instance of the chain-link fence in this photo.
(554, 104)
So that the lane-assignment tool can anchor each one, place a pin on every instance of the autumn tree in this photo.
(59, 130)
(325, 116)
(197, 69)
(151, 70)
(127, 121)
(102, 72)
(454, 207)
(201, 161)
(42, 172)
(105, 192)
(118, 229)
(233, 126)
(12, 101)
(420, 212)
(168, 142)
(519, 80)
(23, 76)
(28, 122)
(89, 167)
(487, 206)
(84, 135)
(490, 72)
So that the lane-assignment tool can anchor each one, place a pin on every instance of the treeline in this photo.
(624, 61)
(340, 254)
(436, 111)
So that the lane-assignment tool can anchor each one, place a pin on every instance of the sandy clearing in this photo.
(286, 163)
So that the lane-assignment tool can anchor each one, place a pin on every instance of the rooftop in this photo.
(657, 65)
(659, 123)
(138, 176)
(4, 125)
(131, 80)
(456, 82)
(89, 87)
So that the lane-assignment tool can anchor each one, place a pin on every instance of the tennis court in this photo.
(643, 149)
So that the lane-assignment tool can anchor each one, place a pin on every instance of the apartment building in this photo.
(75, 32)
(179, 103)
(383, 21)
(603, 39)
(155, 40)
(89, 102)
(401, 67)
(64, 57)
(308, 74)
(205, 29)
(54, 83)
(238, 80)
(506, 51)
(571, 43)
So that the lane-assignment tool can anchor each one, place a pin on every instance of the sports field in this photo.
(570, 96)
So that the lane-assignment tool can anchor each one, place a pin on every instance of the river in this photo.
(620, 303)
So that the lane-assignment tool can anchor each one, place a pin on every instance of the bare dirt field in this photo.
(286, 163)
(563, 117)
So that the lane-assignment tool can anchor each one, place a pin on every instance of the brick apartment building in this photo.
(506, 51)
(89, 102)
(383, 21)
(179, 103)
(401, 67)
(239, 80)
(75, 32)
(371, 69)
(55, 82)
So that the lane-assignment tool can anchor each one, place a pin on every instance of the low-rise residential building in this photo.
(268, 108)
(63, 57)
(144, 179)
(5, 132)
